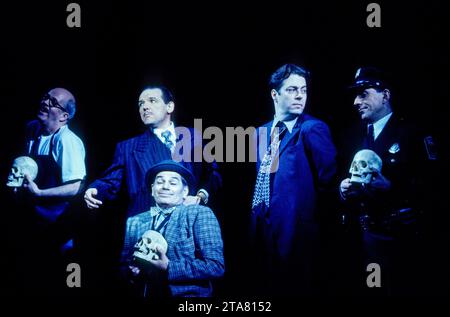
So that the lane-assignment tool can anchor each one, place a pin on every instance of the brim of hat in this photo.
(171, 167)
(360, 86)
(365, 85)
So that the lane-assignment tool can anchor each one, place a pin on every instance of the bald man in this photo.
(59, 152)
(45, 218)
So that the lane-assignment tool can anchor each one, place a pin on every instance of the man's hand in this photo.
(31, 186)
(163, 261)
(379, 182)
(351, 190)
(134, 270)
(91, 202)
(191, 200)
(344, 187)
(151, 268)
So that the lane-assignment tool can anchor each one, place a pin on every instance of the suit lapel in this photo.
(268, 127)
(147, 151)
(260, 136)
(384, 139)
(173, 225)
(295, 130)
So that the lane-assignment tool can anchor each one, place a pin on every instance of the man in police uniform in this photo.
(390, 208)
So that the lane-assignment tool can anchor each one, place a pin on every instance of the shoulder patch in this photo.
(430, 147)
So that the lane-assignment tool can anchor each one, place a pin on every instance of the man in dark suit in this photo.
(297, 168)
(135, 156)
(390, 206)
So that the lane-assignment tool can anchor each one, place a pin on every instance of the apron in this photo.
(49, 175)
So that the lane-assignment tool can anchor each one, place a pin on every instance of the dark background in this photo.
(216, 57)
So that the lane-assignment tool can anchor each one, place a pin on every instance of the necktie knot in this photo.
(166, 135)
(167, 141)
(278, 132)
(281, 126)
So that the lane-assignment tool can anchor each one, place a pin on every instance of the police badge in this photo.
(394, 148)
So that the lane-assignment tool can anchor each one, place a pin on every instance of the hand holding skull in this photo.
(150, 252)
(31, 186)
(162, 262)
(351, 189)
(366, 179)
(379, 182)
(151, 267)
(22, 166)
(347, 190)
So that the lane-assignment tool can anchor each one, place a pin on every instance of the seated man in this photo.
(194, 244)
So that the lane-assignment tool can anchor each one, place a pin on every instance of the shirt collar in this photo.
(289, 124)
(156, 210)
(171, 128)
(60, 129)
(380, 124)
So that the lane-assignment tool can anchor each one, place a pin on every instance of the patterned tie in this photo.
(370, 137)
(262, 187)
(161, 218)
(167, 141)
(157, 219)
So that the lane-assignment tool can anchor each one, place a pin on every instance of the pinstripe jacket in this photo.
(195, 248)
(134, 157)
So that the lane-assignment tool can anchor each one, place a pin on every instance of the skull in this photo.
(364, 164)
(22, 165)
(145, 248)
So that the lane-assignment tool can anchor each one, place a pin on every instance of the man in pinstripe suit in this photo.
(195, 249)
(133, 158)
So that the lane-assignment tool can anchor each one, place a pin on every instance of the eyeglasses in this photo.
(52, 102)
(295, 90)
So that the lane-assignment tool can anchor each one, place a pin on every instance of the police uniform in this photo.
(391, 220)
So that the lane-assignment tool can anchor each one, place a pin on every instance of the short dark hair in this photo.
(277, 78)
(167, 95)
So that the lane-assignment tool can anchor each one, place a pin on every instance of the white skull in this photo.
(145, 248)
(364, 164)
(22, 165)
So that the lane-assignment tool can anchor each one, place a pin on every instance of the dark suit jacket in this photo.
(134, 157)
(307, 167)
(403, 153)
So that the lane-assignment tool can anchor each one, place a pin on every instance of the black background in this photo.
(216, 57)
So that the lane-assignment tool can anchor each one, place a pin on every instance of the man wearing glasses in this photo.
(295, 174)
(60, 156)
(59, 153)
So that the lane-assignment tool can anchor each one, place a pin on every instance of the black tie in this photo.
(282, 129)
(370, 137)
